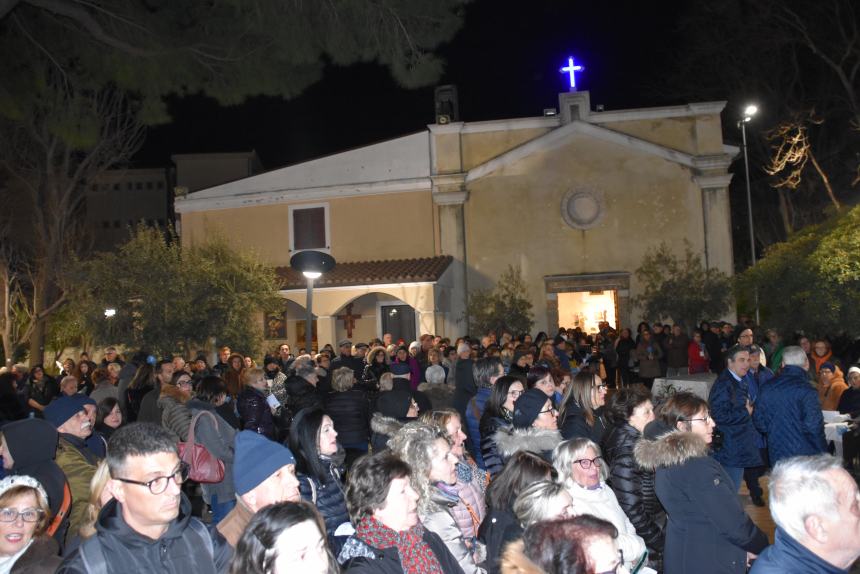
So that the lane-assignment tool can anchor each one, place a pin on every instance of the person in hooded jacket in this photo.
(377, 363)
(28, 448)
(707, 530)
(393, 410)
(631, 410)
(534, 427)
(319, 469)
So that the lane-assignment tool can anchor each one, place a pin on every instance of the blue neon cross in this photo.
(572, 70)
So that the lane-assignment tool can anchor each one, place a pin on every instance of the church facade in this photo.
(574, 200)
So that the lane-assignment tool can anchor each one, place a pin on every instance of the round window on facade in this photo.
(582, 208)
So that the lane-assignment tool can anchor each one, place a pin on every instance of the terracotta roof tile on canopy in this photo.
(371, 273)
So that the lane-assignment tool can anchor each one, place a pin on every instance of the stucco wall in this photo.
(514, 215)
(701, 135)
(480, 147)
(369, 228)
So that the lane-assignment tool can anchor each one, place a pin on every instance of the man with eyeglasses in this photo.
(147, 526)
(78, 462)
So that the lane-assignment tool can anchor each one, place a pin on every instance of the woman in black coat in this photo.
(581, 412)
(11, 408)
(498, 414)
(631, 410)
(707, 531)
(313, 441)
(349, 409)
(254, 411)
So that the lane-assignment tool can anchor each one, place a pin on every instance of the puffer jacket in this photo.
(439, 519)
(181, 549)
(255, 412)
(728, 399)
(634, 487)
(219, 442)
(489, 449)
(470, 509)
(788, 413)
(175, 416)
(537, 441)
(574, 424)
(328, 496)
(350, 413)
(474, 410)
(707, 531)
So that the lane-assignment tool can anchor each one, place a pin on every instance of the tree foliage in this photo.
(505, 307)
(172, 299)
(681, 288)
(811, 282)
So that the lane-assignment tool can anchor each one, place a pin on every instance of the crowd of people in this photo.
(508, 453)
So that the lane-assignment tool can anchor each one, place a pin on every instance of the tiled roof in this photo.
(371, 272)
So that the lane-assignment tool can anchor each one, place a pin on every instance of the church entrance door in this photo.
(399, 320)
(586, 309)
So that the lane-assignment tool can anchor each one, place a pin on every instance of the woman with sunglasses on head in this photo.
(708, 530)
(581, 412)
(581, 469)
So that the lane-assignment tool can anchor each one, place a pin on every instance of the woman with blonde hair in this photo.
(582, 470)
(541, 501)
(471, 484)
(100, 494)
(581, 413)
(434, 471)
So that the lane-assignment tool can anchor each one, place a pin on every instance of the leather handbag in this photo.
(203, 466)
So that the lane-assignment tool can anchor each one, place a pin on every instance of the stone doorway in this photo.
(586, 296)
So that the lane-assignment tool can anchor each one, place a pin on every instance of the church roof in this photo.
(351, 273)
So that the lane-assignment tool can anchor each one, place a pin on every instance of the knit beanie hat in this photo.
(828, 365)
(854, 369)
(62, 409)
(527, 408)
(84, 399)
(256, 459)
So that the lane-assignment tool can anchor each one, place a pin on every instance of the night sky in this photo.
(504, 62)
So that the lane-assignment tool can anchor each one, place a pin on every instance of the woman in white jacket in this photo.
(583, 472)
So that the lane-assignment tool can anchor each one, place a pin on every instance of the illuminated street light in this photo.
(110, 313)
(749, 112)
(312, 264)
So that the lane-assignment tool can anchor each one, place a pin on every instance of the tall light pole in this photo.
(749, 112)
(312, 264)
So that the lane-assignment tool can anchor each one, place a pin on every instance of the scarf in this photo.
(416, 556)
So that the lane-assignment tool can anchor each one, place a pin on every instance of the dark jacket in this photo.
(383, 428)
(133, 400)
(715, 351)
(40, 558)
(219, 442)
(728, 400)
(42, 392)
(179, 550)
(574, 424)
(849, 402)
(354, 363)
(498, 529)
(708, 531)
(464, 384)
(255, 412)
(302, 394)
(493, 461)
(634, 487)
(11, 408)
(788, 556)
(474, 411)
(788, 413)
(360, 558)
(328, 497)
(676, 350)
(350, 413)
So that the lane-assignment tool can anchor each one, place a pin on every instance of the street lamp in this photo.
(749, 111)
(312, 264)
(110, 313)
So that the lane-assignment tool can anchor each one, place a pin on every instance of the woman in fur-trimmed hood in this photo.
(707, 530)
(535, 427)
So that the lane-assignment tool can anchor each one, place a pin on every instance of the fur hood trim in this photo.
(515, 561)
(533, 440)
(368, 359)
(173, 392)
(671, 449)
(384, 425)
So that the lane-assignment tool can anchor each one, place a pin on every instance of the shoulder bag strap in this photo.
(201, 531)
(93, 556)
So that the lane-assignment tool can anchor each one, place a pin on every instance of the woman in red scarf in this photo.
(389, 538)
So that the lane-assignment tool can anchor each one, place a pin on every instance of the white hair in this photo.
(568, 452)
(538, 501)
(799, 488)
(793, 356)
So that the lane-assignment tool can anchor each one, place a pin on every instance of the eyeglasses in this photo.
(600, 387)
(586, 463)
(159, 484)
(27, 515)
(549, 410)
(705, 420)
(515, 394)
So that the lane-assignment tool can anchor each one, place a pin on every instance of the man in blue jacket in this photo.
(813, 501)
(486, 371)
(788, 410)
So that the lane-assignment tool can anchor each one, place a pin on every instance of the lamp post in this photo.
(312, 264)
(749, 112)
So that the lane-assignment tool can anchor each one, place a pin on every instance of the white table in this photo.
(834, 426)
(699, 384)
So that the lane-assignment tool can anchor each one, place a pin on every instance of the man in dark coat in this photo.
(148, 526)
(788, 411)
(345, 359)
(731, 409)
